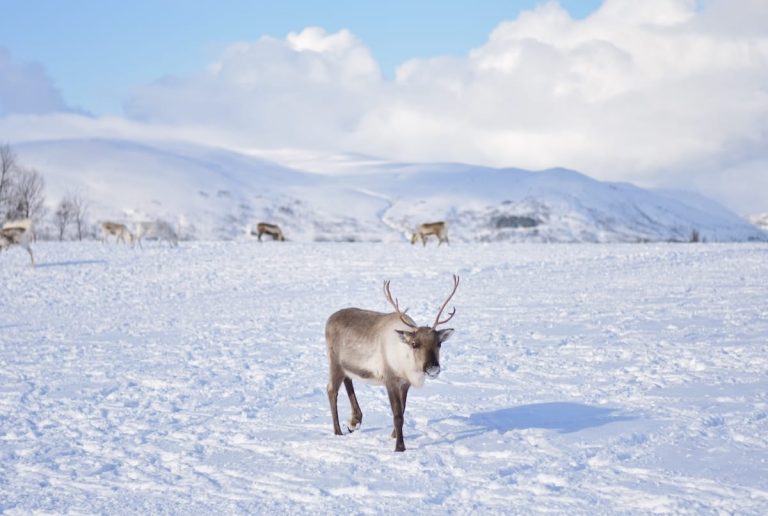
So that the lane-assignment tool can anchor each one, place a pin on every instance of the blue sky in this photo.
(96, 51)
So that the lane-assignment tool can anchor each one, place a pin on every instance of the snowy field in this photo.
(580, 379)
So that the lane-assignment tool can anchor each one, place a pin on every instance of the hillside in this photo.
(211, 193)
(760, 220)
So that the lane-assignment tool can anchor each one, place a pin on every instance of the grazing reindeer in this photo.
(439, 229)
(159, 229)
(17, 232)
(270, 229)
(384, 349)
(119, 230)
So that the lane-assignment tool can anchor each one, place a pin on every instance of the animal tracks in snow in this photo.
(581, 378)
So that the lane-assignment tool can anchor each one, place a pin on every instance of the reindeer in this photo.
(270, 229)
(119, 230)
(387, 349)
(439, 229)
(17, 232)
(159, 229)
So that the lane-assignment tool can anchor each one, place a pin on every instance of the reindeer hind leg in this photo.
(336, 377)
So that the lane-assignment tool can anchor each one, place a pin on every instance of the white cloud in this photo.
(659, 92)
(653, 92)
(305, 90)
(26, 88)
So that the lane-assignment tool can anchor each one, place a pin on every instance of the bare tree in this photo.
(27, 197)
(79, 214)
(8, 170)
(695, 236)
(63, 216)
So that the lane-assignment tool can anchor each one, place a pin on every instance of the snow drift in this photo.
(581, 379)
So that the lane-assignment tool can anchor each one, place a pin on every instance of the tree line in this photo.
(22, 196)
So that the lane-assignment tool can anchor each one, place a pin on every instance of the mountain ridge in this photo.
(216, 193)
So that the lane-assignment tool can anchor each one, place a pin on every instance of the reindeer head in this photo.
(424, 341)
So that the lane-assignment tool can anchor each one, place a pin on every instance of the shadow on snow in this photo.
(564, 417)
(560, 416)
(70, 263)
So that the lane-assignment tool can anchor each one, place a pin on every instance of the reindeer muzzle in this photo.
(433, 371)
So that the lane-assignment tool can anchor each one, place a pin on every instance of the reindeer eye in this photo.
(415, 345)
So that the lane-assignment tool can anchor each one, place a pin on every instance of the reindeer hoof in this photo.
(400, 447)
(353, 425)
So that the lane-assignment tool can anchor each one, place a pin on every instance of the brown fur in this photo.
(439, 229)
(270, 229)
(384, 348)
(17, 233)
(120, 231)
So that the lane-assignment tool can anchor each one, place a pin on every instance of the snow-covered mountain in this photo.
(760, 220)
(212, 193)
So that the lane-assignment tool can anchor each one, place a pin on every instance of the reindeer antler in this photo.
(396, 306)
(437, 319)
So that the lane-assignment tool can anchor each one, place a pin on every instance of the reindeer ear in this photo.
(405, 336)
(443, 335)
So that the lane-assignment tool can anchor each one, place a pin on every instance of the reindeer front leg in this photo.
(403, 396)
(398, 408)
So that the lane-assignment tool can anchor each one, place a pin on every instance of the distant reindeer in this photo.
(270, 229)
(118, 230)
(159, 229)
(439, 229)
(17, 233)
(385, 349)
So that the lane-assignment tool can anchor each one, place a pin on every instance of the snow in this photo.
(210, 193)
(581, 378)
(760, 220)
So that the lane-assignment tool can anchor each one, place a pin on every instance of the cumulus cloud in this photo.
(636, 90)
(658, 92)
(306, 90)
(26, 88)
